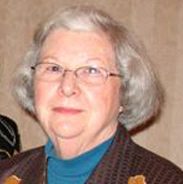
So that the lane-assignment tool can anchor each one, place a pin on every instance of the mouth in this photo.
(67, 110)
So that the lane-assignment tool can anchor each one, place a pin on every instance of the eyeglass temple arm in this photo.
(115, 75)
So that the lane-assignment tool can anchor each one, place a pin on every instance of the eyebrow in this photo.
(49, 57)
(88, 61)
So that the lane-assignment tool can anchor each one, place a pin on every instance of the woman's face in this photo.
(70, 109)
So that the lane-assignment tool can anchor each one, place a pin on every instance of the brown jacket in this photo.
(123, 160)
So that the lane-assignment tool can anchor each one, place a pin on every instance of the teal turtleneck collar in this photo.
(75, 170)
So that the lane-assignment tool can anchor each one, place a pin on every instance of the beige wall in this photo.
(159, 24)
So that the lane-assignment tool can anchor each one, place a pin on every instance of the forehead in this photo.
(65, 44)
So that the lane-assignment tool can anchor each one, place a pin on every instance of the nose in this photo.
(68, 85)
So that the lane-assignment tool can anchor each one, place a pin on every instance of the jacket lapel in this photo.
(114, 168)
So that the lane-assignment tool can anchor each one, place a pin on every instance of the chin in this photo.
(67, 132)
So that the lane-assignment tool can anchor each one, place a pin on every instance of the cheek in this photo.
(39, 95)
(43, 92)
(42, 97)
(104, 102)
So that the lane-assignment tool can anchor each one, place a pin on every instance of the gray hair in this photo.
(140, 96)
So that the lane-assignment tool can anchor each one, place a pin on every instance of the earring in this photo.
(120, 109)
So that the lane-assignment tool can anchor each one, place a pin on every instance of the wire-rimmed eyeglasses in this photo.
(88, 74)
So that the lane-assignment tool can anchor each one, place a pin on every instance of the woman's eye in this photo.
(53, 69)
(92, 70)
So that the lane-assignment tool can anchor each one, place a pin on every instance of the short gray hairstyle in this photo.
(141, 94)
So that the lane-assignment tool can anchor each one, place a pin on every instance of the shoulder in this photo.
(22, 162)
(146, 156)
(29, 154)
(141, 161)
(156, 168)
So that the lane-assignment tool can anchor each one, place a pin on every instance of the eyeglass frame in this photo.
(108, 73)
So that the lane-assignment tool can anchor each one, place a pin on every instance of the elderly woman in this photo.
(85, 79)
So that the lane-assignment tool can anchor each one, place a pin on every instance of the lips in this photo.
(67, 110)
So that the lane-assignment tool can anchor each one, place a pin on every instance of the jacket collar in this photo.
(114, 166)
